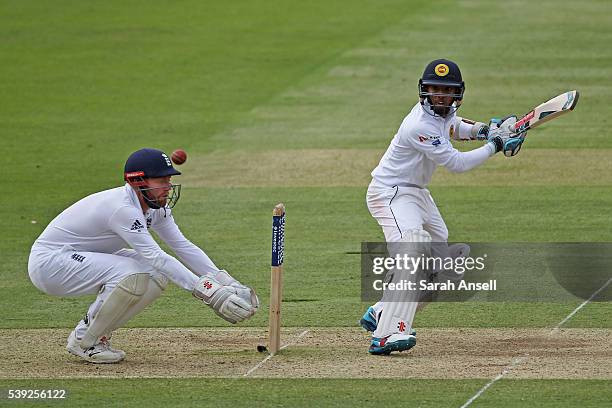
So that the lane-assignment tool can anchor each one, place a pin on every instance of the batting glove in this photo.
(480, 131)
(513, 145)
(500, 130)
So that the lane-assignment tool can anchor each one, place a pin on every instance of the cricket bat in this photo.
(548, 110)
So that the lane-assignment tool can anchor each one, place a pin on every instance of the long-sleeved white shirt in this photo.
(421, 144)
(113, 219)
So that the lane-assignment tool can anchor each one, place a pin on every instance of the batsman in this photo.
(398, 197)
(102, 245)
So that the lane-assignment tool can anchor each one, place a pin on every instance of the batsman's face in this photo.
(158, 189)
(442, 98)
(441, 95)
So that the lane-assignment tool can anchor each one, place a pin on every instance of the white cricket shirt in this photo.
(422, 143)
(112, 219)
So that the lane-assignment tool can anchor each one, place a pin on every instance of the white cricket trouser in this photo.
(399, 209)
(67, 272)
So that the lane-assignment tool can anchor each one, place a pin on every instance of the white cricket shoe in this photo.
(106, 341)
(100, 353)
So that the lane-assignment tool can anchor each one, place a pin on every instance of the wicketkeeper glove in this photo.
(243, 291)
(226, 304)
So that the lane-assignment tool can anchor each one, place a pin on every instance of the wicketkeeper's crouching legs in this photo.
(113, 308)
(125, 285)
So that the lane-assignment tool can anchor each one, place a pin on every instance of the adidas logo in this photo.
(137, 226)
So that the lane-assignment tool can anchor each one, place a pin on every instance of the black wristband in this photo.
(483, 131)
(498, 142)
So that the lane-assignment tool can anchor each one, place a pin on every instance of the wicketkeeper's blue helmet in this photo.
(151, 163)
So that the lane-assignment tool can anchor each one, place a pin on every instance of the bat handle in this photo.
(520, 127)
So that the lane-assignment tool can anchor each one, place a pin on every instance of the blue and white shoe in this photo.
(369, 320)
(394, 342)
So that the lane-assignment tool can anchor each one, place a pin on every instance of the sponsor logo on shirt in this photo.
(137, 226)
(436, 142)
(425, 138)
(149, 221)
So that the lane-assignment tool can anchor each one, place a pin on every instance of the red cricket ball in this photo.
(179, 156)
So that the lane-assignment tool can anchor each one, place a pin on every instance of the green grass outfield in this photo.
(295, 102)
(316, 392)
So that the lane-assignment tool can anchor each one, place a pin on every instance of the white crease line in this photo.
(521, 359)
(582, 305)
(269, 356)
(493, 381)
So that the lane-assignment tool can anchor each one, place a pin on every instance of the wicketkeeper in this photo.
(102, 245)
(398, 197)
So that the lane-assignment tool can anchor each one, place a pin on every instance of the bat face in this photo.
(549, 110)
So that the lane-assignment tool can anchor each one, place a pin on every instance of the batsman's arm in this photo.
(441, 151)
(467, 129)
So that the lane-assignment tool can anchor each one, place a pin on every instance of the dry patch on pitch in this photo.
(321, 353)
(352, 167)
(167, 352)
(452, 354)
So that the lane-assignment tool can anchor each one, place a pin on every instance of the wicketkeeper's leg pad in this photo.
(127, 293)
(154, 291)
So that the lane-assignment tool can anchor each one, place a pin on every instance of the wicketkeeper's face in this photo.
(158, 189)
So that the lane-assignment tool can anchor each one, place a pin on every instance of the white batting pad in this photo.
(400, 304)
